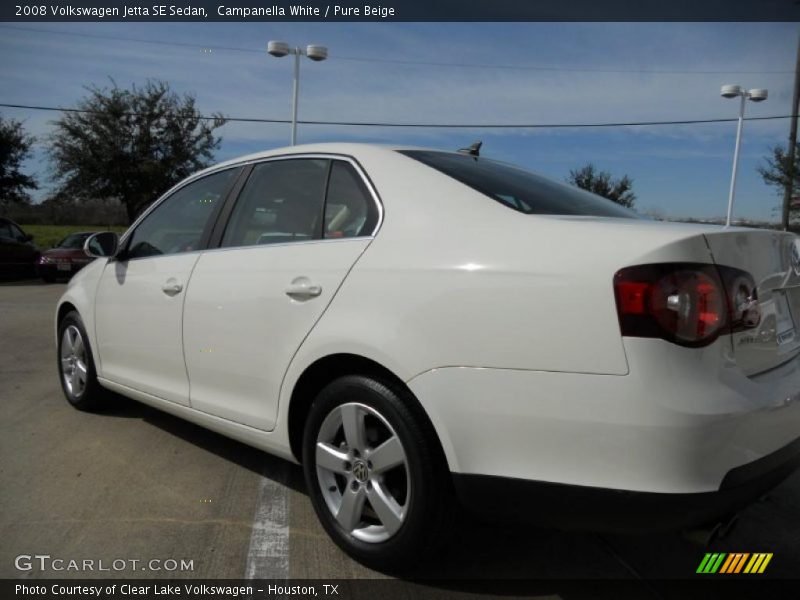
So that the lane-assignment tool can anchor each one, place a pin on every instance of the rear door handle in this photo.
(301, 288)
(172, 287)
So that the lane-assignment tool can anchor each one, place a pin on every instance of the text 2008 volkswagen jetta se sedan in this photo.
(420, 328)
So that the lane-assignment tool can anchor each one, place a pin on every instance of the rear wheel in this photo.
(376, 473)
(75, 365)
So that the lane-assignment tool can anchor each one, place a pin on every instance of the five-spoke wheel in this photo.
(376, 473)
(73, 361)
(75, 364)
(362, 471)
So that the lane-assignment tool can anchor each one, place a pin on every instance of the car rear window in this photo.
(517, 188)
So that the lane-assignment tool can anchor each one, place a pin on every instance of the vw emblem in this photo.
(795, 256)
(360, 471)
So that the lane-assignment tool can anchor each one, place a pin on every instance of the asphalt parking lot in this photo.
(135, 483)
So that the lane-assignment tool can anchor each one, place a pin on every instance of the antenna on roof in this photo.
(473, 150)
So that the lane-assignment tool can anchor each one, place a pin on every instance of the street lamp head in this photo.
(731, 91)
(278, 49)
(312, 51)
(757, 94)
(316, 53)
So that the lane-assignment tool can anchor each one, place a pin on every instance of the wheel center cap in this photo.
(360, 471)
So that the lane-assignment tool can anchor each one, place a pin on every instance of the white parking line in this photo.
(268, 555)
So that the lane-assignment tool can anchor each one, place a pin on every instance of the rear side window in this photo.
(349, 211)
(517, 188)
(281, 203)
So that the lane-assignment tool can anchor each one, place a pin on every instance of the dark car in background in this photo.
(65, 258)
(18, 254)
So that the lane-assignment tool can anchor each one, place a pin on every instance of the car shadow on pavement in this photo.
(226, 448)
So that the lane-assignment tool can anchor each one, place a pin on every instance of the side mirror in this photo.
(101, 245)
(27, 238)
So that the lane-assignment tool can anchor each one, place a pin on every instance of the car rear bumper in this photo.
(610, 510)
(683, 421)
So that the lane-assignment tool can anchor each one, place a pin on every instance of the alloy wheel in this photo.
(74, 369)
(363, 472)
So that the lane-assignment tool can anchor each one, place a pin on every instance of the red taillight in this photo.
(632, 297)
(686, 303)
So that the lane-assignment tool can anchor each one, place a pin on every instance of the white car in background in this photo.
(420, 328)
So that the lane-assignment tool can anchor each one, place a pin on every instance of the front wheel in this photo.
(376, 474)
(75, 365)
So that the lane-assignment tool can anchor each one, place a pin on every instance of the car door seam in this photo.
(183, 326)
(313, 326)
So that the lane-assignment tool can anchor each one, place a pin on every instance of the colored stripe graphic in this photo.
(749, 567)
(741, 562)
(765, 563)
(711, 563)
(729, 563)
(758, 563)
(703, 563)
(734, 562)
(716, 565)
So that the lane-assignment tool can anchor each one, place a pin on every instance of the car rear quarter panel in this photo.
(454, 278)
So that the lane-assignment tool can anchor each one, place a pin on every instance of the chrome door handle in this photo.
(302, 289)
(171, 287)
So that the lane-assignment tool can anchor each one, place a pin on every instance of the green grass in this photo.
(45, 236)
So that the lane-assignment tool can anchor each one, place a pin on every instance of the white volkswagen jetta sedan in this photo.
(420, 328)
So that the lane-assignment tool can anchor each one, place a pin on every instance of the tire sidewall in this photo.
(86, 399)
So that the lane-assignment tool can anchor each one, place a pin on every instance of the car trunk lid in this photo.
(773, 259)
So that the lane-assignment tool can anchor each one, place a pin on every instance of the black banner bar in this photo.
(401, 10)
(701, 586)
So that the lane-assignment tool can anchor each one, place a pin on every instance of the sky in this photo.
(515, 73)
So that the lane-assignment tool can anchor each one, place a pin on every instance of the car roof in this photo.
(353, 149)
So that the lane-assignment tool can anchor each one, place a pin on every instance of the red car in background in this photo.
(65, 258)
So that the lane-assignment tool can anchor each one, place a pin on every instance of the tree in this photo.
(776, 170)
(131, 145)
(15, 147)
(600, 182)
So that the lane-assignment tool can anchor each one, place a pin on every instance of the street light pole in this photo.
(314, 52)
(788, 190)
(755, 95)
(295, 94)
(735, 161)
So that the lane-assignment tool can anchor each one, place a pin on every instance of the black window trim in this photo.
(223, 218)
(319, 234)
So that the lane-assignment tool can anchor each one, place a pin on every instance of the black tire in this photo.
(428, 507)
(90, 395)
